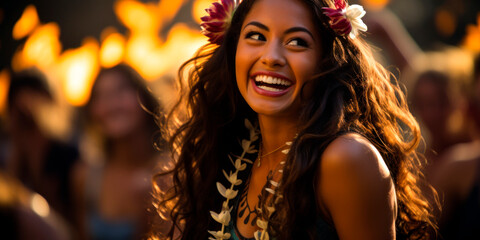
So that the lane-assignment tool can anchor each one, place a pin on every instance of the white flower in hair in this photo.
(355, 14)
(345, 19)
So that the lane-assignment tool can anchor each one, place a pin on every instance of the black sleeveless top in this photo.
(324, 230)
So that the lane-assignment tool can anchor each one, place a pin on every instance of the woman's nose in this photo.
(273, 55)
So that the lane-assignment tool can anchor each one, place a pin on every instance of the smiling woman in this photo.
(276, 56)
(327, 143)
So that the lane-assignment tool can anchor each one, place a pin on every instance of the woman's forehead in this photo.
(290, 13)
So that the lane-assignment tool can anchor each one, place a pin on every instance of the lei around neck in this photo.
(240, 163)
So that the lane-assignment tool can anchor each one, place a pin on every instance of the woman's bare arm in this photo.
(355, 190)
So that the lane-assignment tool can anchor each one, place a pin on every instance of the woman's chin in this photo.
(274, 109)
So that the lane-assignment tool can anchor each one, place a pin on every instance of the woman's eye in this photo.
(298, 42)
(255, 36)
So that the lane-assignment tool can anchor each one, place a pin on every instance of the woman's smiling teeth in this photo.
(270, 83)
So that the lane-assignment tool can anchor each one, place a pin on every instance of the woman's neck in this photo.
(276, 132)
(133, 150)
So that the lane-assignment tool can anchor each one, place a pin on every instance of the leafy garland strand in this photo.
(262, 234)
(224, 216)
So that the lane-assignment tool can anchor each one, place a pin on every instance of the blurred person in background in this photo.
(458, 178)
(38, 159)
(435, 99)
(25, 215)
(117, 189)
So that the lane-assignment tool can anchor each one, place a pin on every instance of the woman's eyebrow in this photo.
(299, 29)
(259, 25)
(290, 30)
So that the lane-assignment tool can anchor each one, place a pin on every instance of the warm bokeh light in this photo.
(4, 85)
(199, 7)
(27, 23)
(153, 60)
(138, 17)
(78, 69)
(39, 205)
(41, 49)
(140, 54)
(445, 22)
(168, 9)
(145, 18)
(145, 51)
(472, 38)
(182, 42)
(112, 50)
(143, 48)
(374, 4)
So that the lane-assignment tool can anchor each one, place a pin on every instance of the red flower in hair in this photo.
(346, 20)
(218, 19)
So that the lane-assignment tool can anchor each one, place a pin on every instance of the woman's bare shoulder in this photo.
(353, 151)
(355, 190)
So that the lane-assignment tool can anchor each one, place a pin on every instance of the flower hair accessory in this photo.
(345, 19)
(218, 19)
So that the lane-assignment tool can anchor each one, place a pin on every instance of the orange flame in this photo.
(78, 69)
(145, 51)
(143, 24)
(143, 48)
(27, 23)
(139, 18)
(168, 9)
(199, 7)
(4, 85)
(112, 50)
(472, 38)
(182, 42)
(154, 61)
(374, 4)
(41, 49)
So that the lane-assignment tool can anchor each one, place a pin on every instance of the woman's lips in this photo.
(271, 84)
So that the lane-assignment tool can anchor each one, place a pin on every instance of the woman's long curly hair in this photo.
(352, 93)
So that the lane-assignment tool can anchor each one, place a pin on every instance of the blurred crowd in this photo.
(97, 182)
(96, 185)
